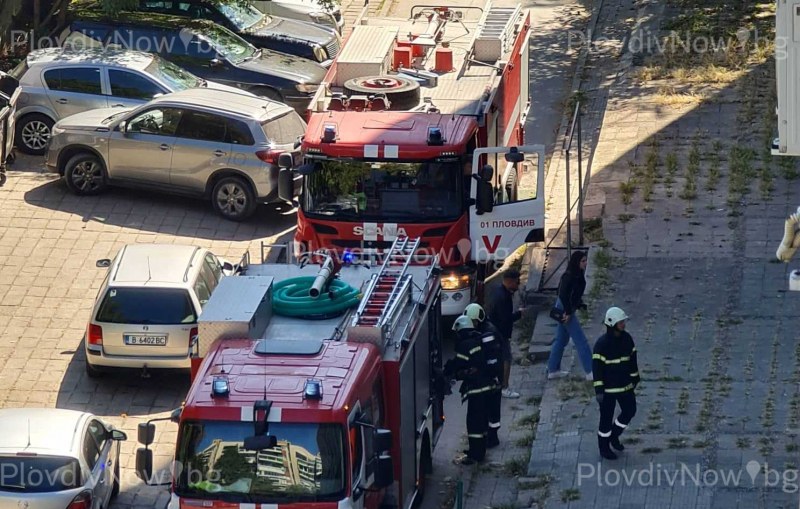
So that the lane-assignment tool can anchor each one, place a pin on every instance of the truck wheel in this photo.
(85, 175)
(403, 93)
(233, 199)
(33, 132)
(423, 470)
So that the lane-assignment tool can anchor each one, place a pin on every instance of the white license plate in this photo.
(144, 339)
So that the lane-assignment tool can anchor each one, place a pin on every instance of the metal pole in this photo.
(580, 179)
(569, 213)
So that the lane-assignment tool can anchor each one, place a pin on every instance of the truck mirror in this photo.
(175, 415)
(285, 183)
(144, 464)
(260, 442)
(146, 433)
(484, 197)
(384, 471)
(286, 160)
(382, 440)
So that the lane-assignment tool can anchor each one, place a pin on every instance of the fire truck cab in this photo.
(412, 121)
(295, 407)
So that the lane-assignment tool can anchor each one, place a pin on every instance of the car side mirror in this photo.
(118, 435)
(484, 197)
(103, 263)
(215, 62)
(384, 471)
(146, 433)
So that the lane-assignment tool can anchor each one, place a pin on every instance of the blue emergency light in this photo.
(313, 389)
(220, 386)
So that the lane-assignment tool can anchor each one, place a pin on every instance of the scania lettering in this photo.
(419, 124)
(314, 387)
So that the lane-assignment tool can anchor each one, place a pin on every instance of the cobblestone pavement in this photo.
(689, 255)
(49, 241)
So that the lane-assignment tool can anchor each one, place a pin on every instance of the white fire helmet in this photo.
(463, 322)
(475, 312)
(614, 315)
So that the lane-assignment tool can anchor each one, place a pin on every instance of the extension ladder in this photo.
(388, 288)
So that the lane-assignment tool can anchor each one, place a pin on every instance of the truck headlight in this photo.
(306, 88)
(320, 54)
(455, 281)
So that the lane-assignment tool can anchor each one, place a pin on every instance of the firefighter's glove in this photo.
(600, 397)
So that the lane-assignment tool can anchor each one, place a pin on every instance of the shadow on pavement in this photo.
(120, 392)
(149, 211)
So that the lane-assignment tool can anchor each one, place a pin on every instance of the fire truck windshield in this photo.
(385, 191)
(306, 465)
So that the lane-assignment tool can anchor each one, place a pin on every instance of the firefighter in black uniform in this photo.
(470, 368)
(616, 375)
(492, 351)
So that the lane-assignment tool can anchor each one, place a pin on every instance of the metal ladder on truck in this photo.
(389, 289)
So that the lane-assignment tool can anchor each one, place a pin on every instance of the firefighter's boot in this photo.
(616, 431)
(605, 450)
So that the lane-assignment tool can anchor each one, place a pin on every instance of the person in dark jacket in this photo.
(502, 314)
(570, 299)
(470, 368)
(491, 343)
(616, 375)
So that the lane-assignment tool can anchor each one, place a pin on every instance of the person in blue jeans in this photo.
(570, 299)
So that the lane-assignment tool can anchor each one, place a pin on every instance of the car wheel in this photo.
(33, 133)
(268, 93)
(93, 371)
(403, 93)
(85, 174)
(115, 486)
(233, 198)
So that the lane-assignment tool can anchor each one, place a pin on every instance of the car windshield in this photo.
(38, 474)
(242, 15)
(229, 45)
(158, 306)
(385, 191)
(307, 464)
(176, 78)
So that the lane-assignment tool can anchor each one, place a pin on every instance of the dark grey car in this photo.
(209, 51)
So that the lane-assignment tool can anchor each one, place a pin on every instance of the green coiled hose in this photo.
(290, 298)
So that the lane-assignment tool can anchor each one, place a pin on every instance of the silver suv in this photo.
(205, 143)
(60, 82)
(145, 314)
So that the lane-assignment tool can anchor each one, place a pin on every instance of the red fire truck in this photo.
(293, 406)
(411, 111)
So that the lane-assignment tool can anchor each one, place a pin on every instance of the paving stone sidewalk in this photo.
(716, 329)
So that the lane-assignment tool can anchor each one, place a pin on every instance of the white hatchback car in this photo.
(145, 314)
(55, 459)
